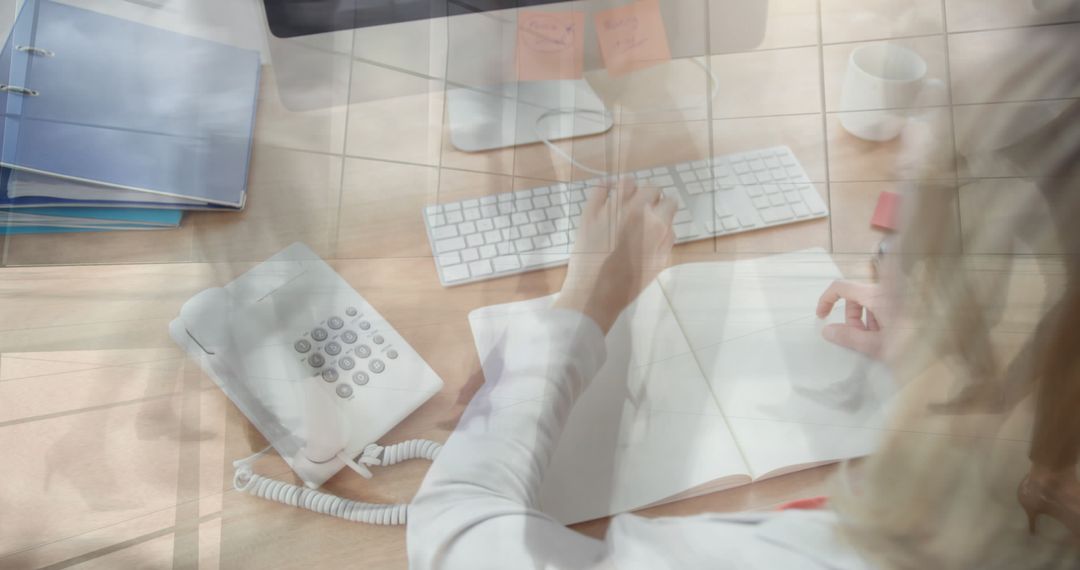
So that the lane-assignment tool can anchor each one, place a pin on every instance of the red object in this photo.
(887, 212)
(811, 504)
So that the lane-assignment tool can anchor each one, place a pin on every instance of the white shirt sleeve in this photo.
(477, 505)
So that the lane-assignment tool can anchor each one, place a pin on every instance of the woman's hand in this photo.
(866, 316)
(623, 242)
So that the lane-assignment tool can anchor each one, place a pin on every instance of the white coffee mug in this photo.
(882, 84)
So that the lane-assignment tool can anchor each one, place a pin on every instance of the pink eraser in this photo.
(887, 212)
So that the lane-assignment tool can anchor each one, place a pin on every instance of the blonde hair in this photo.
(941, 491)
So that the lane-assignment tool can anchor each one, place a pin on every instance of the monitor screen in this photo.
(291, 18)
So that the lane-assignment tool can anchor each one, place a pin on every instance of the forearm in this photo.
(484, 485)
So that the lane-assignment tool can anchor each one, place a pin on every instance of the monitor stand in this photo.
(506, 115)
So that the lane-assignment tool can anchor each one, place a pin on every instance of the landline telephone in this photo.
(318, 371)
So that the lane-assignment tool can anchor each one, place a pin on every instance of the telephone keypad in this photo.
(347, 332)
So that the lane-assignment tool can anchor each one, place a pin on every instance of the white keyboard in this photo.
(514, 232)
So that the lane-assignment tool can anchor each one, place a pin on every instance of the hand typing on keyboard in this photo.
(623, 242)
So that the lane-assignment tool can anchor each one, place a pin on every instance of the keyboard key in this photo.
(494, 236)
(506, 263)
(506, 197)
(474, 240)
(470, 203)
(801, 210)
(761, 202)
(488, 251)
(467, 228)
(528, 230)
(482, 267)
(484, 225)
(472, 214)
(455, 273)
(793, 197)
(562, 224)
(748, 180)
(537, 216)
(489, 211)
(747, 221)
(685, 231)
(544, 257)
(542, 241)
(433, 209)
(556, 212)
(577, 196)
(730, 223)
(683, 216)
(523, 205)
(703, 173)
(444, 232)
(452, 244)
(471, 254)
(487, 200)
(777, 199)
(451, 206)
(687, 177)
(454, 218)
(754, 191)
(523, 245)
(452, 258)
(501, 222)
(694, 188)
(546, 227)
(541, 202)
(511, 233)
(504, 247)
(560, 238)
(665, 180)
(682, 167)
(762, 177)
(506, 208)
(437, 220)
(519, 218)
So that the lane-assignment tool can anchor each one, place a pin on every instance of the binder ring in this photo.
(36, 51)
(19, 90)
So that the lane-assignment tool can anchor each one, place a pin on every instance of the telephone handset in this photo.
(318, 371)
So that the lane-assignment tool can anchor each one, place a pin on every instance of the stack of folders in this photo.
(109, 124)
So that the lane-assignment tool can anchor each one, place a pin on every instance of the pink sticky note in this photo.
(632, 37)
(887, 212)
(550, 45)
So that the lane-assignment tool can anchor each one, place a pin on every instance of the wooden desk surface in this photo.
(118, 450)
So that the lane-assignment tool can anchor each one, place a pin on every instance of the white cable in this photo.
(606, 114)
(249, 482)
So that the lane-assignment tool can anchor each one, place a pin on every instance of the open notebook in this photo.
(716, 376)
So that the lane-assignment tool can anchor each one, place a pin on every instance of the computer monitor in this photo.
(468, 47)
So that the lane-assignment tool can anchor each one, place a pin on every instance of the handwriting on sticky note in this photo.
(550, 45)
(632, 37)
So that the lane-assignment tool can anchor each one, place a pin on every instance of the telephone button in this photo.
(360, 378)
(348, 337)
(377, 366)
(335, 323)
(351, 311)
(346, 363)
(344, 390)
(364, 325)
(332, 348)
(378, 339)
(330, 375)
(391, 354)
(319, 334)
(316, 360)
(302, 346)
(363, 351)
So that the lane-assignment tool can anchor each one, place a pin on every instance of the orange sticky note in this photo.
(550, 45)
(632, 37)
